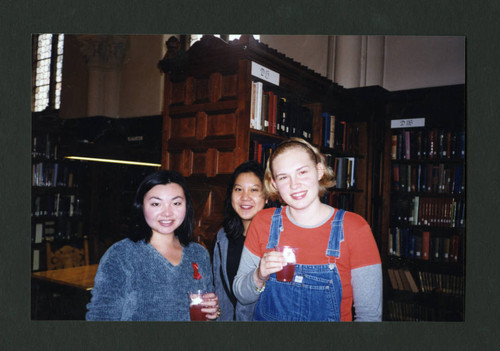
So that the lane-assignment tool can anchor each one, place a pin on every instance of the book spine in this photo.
(446, 249)
(395, 177)
(394, 145)
(253, 123)
(447, 150)
(418, 246)
(423, 178)
(264, 114)
(341, 172)
(453, 144)
(405, 239)
(392, 279)
(407, 145)
(326, 129)
(258, 105)
(403, 177)
(425, 245)
(390, 246)
(273, 112)
(441, 150)
(412, 246)
(461, 143)
(399, 146)
(344, 135)
(409, 173)
(432, 143)
(348, 173)
(332, 131)
(436, 249)
(353, 172)
(415, 215)
(419, 145)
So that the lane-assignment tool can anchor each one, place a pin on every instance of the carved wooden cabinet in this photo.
(207, 108)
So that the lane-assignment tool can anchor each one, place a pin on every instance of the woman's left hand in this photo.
(211, 305)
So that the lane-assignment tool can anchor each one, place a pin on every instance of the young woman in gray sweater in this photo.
(148, 275)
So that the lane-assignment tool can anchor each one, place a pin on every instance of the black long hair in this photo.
(233, 225)
(142, 231)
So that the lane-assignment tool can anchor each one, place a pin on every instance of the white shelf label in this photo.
(408, 123)
(266, 74)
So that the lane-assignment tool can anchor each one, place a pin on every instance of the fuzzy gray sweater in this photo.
(135, 282)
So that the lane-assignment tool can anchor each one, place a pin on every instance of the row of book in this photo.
(437, 178)
(345, 171)
(261, 152)
(344, 167)
(61, 229)
(428, 211)
(408, 312)
(275, 114)
(336, 199)
(339, 135)
(54, 174)
(441, 282)
(403, 242)
(45, 146)
(402, 279)
(58, 205)
(427, 144)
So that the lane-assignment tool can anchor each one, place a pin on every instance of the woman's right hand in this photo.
(271, 262)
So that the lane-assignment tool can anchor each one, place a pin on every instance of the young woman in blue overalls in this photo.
(338, 264)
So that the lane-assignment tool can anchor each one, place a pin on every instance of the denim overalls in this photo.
(315, 292)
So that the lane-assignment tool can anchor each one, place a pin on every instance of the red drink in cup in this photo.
(196, 304)
(196, 314)
(286, 274)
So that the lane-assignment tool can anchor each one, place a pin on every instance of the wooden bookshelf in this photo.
(95, 198)
(423, 229)
(209, 124)
(57, 205)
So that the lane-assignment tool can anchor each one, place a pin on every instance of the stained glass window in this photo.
(47, 71)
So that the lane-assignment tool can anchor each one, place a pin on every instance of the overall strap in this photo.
(275, 230)
(336, 234)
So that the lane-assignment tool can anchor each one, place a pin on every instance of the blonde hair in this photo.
(327, 181)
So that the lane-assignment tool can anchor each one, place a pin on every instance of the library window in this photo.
(47, 71)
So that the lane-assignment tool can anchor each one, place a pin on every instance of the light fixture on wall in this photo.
(109, 160)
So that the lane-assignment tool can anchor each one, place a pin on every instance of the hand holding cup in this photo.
(271, 262)
(203, 305)
(286, 274)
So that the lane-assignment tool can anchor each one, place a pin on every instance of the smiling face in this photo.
(296, 177)
(247, 197)
(164, 208)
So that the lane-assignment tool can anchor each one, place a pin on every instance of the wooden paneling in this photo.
(229, 86)
(184, 127)
(208, 200)
(201, 125)
(225, 162)
(201, 89)
(178, 93)
(221, 124)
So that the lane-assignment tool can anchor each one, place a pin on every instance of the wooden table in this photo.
(78, 277)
